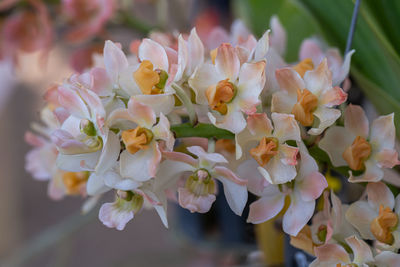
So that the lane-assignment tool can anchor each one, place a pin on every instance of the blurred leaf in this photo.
(375, 57)
(294, 17)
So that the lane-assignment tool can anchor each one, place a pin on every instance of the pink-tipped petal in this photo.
(259, 123)
(318, 80)
(297, 215)
(383, 132)
(387, 158)
(387, 259)
(332, 252)
(141, 114)
(312, 186)
(356, 121)
(286, 127)
(379, 194)
(113, 217)
(200, 204)
(361, 250)
(288, 154)
(333, 97)
(267, 207)
(360, 215)
(227, 62)
(289, 80)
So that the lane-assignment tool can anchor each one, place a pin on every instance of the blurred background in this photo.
(44, 41)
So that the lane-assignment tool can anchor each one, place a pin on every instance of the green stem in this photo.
(185, 99)
(211, 145)
(201, 130)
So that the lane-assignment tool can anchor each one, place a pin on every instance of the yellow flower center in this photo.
(227, 145)
(136, 139)
(382, 226)
(219, 95)
(200, 183)
(266, 149)
(303, 110)
(356, 154)
(150, 82)
(75, 181)
(304, 66)
(347, 265)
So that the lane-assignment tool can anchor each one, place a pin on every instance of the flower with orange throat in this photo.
(308, 94)
(267, 145)
(364, 149)
(228, 88)
(377, 218)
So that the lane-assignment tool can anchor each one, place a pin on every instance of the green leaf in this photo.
(201, 130)
(294, 17)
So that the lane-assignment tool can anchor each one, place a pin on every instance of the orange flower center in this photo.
(75, 181)
(303, 110)
(218, 96)
(356, 154)
(227, 145)
(304, 66)
(136, 139)
(382, 226)
(266, 149)
(347, 265)
(213, 55)
(150, 82)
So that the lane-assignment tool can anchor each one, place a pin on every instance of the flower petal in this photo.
(361, 250)
(289, 80)
(262, 46)
(95, 185)
(373, 173)
(387, 259)
(340, 75)
(318, 80)
(267, 207)
(297, 215)
(188, 200)
(162, 131)
(387, 158)
(286, 127)
(114, 60)
(235, 194)
(141, 114)
(333, 97)
(279, 172)
(155, 53)
(112, 217)
(233, 121)
(204, 77)
(227, 62)
(255, 181)
(142, 165)
(356, 121)
(335, 142)
(379, 194)
(332, 252)
(196, 52)
(259, 123)
(327, 117)
(162, 103)
(283, 102)
(109, 154)
(383, 132)
(278, 36)
(360, 215)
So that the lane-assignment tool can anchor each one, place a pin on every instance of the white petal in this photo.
(327, 117)
(360, 215)
(155, 53)
(236, 195)
(335, 142)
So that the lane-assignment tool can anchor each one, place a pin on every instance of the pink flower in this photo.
(149, 81)
(140, 160)
(377, 217)
(303, 191)
(229, 88)
(312, 48)
(199, 174)
(308, 97)
(362, 148)
(335, 255)
(88, 17)
(276, 159)
(28, 30)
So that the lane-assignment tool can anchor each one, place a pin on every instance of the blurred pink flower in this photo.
(28, 30)
(88, 17)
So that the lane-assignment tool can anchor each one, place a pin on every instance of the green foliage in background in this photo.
(376, 63)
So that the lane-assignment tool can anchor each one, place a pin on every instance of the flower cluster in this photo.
(181, 114)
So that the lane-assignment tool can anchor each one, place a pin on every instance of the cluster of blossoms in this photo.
(182, 113)
(30, 25)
